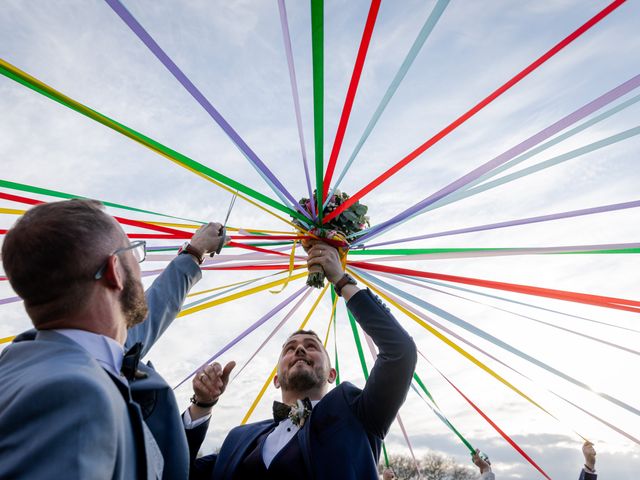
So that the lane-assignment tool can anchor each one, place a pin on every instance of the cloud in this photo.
(233, 52)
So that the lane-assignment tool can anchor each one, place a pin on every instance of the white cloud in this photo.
(233, 52)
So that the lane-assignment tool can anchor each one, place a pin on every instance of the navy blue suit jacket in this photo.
(344, 434)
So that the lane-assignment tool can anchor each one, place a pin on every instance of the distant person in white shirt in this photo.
(481, 461)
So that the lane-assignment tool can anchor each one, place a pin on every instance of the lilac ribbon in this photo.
(274, 331)
(522, 221)
(558, 126)
(286, 37)
(143, 35)
(246, 332)
(4, 301)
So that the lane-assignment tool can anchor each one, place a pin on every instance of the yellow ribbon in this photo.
(457, 348)
(235, 296)
(12, 211)
(111, 124)
(292, 259)
(7, 339)
(331, 319)
(275, 369)
(202, 292)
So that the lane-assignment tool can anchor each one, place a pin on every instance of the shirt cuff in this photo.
(190, 424)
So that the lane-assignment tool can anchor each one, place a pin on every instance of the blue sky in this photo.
(233, 52)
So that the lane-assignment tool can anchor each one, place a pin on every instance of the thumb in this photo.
(227, 371)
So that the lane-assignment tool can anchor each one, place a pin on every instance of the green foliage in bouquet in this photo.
(342, 227)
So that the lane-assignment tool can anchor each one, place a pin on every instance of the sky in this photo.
(233, 52)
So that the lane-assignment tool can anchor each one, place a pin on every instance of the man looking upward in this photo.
(317, 433)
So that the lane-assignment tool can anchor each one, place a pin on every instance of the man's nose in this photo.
(300, 350)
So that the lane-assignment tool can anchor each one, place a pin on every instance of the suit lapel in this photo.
(241, 446)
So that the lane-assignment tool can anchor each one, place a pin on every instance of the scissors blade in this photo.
(223, 230)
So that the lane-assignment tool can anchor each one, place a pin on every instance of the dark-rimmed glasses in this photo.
(139, 250)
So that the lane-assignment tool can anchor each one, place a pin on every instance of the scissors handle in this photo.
(223, 234)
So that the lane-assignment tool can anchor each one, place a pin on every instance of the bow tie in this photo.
(297, 413)
(130, 363)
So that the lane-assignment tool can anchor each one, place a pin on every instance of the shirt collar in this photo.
(107, 352)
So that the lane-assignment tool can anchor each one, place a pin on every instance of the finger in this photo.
(217, 371)
(227, 371)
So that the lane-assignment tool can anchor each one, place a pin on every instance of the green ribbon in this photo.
(442, 417)
(53, 193)
(335, 337)
(179, 158)
(317, 48)
(419, 381)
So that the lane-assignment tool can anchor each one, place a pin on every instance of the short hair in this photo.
(308, 332)
(51, 254)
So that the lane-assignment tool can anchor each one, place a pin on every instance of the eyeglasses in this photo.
(139, 250)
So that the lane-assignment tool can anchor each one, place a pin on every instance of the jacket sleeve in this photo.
(390, 377)
(195, 437)
(164, 298)
(587, 476)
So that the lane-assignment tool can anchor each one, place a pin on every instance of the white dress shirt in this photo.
(280, 436)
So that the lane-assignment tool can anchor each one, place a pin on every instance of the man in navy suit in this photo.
(66, 411)
(317, 433)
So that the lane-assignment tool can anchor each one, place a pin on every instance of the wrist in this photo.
(342, 282)
(196, 253)
(201, 403)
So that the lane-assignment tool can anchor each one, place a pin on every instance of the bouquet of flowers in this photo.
(339, 231)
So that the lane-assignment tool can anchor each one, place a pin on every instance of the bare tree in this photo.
(432, 466)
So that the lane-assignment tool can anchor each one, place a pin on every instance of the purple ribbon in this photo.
(286, 37)
(246, 332)
(530, 142)
(143, 35)
(522, 221)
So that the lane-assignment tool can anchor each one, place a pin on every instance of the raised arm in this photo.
(390, 377)
(166, 294)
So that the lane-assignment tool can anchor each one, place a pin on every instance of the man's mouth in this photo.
(301, 361)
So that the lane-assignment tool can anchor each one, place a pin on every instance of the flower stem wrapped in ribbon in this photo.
(337, 232)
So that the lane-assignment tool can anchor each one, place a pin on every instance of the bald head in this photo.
(52, 253)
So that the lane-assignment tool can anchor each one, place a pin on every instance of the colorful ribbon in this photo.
(351, 95)
(161, 55)
(530, 142)
(424, 33)
(317, 50)
(203, 171)
(598, 300)
(296, 98)
(496, 341)
(470, 113)
(492, 423)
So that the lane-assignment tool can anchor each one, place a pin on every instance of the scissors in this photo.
(223, 230)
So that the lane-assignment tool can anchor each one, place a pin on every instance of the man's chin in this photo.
(136, 315)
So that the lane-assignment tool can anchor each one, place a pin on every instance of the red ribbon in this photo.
(351, 95)
(599, 300)
(464, 117)
(173, 233)
(497, 428)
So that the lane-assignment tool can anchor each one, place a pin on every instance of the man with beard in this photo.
(72, 405)
(317, 433)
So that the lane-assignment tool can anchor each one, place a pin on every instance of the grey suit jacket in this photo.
(63, 416)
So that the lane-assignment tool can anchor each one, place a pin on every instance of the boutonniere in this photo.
(300, 412)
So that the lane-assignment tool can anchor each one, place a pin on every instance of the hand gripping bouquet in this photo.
(339, 232)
